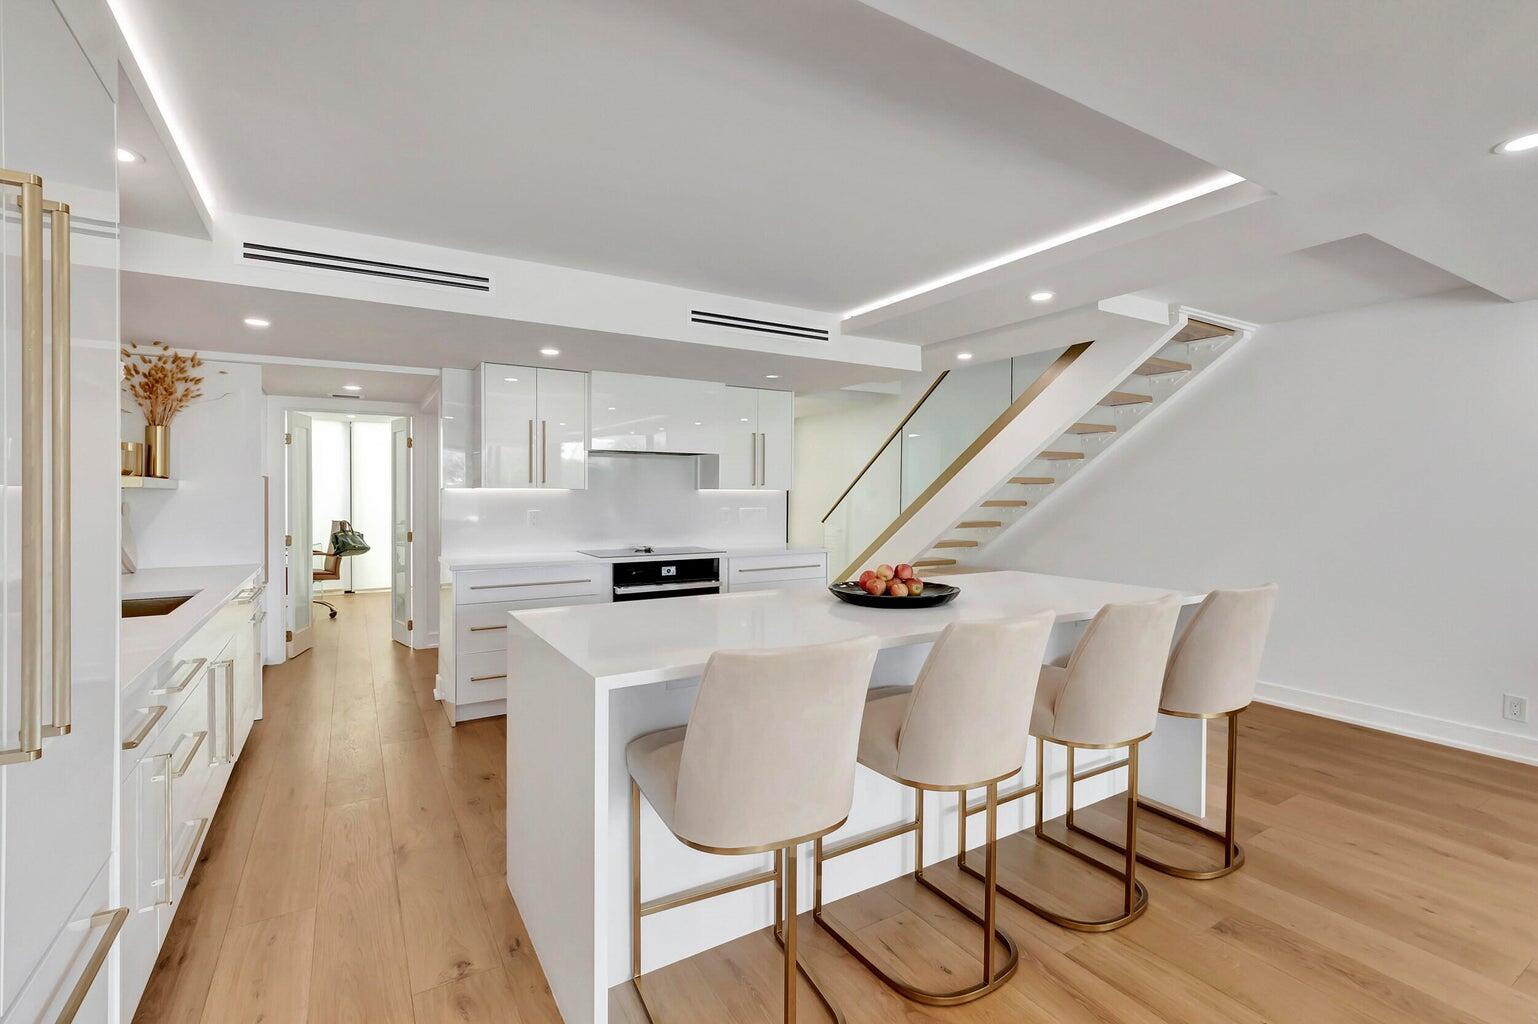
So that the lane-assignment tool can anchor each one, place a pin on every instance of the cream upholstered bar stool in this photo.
(1212, 673)
(1106, 697)
(961, 726)
(766, 763)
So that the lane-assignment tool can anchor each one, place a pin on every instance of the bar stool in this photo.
(765, 763)
(960, 726)
(1212, 674)
(1106, 697)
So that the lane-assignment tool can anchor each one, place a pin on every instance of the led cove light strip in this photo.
(1196, 191)
(159, 97)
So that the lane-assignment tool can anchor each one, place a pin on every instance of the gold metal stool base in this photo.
(987, 920)
(1135, 897)
(783, 875)
(1233, 853)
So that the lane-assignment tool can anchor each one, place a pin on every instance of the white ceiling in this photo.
(151, 193)
(206, 316)
(812, 152)
(307, 380)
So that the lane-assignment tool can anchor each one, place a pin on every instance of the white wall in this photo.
(831, 448)
(630, 499)
(350, 474)
(214, 517)
(1380, 465)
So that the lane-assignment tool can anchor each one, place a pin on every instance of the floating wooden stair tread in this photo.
(1060, 456)
(957, 544)
(1155, 366)
(933, 563)
(1033, 481)
(1091, 428)
(1200, 330)
(1004, 503)
(978, 524)
(1124, 398)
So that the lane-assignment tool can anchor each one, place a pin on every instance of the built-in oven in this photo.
(645, 579)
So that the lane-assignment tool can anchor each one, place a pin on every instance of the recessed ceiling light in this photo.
(256, 321)
(448, 417)
(1042, 296)
(1520, 144)
(611, 408)
(128, 156)
(963, 356)
(744, 419)
(549, 351)
(771, 376)
(511, 380)
(1164, 202)
(352, 387)
(351, 416)
(696, 423)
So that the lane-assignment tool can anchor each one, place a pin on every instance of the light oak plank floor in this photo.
(354, 874)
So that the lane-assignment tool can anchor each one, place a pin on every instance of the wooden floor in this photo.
(354, 874)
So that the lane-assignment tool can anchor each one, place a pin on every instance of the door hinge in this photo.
(288, 540)
(410, 625)
(409, 537)
(288, 438)
(411, 442)
(288, 636)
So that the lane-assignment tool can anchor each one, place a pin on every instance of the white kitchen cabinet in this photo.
(758, 443)
(781, 570)
(58, 791)
(533, 427)
(635, 413)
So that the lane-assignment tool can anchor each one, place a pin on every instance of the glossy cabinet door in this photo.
(561, 401)
(776, 439)
(509, 426)
(739, 440)
(56, 812)
(636, 413)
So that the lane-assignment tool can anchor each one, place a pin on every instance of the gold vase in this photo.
(157, 451)
(133, 458)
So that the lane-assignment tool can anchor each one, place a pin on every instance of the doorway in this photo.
(346, 472)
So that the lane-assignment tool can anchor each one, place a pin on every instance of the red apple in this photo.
(897, 588)
(904, 571)
(875, 586)
(886, 572)
(915, 587)
(867, 576)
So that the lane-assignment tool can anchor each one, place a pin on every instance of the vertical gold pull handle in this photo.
(531, 451)
(113, 920)
(170, 836)
(63, 672)
(544, 451)
(30, 745)
(229, 710)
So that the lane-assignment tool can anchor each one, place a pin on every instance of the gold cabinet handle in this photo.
(113, 919)
(544, 451)
(485, 629)
(155, 713)
(197, 741)
(192, 851)
(30, 734)
(533, 583)
(170, 826)
(229, 709)
(780, 568)
(487, 679)
(197, 667)
(63, 674)
(531, 451)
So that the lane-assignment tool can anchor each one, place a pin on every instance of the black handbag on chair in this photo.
(346, 541)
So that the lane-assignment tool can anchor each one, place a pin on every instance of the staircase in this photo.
(999, 440)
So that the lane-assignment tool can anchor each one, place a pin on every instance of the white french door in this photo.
(300, 635)
(400, 531)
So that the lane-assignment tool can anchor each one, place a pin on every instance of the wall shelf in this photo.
(149, 483)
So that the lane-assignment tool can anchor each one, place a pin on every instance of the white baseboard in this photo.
(1404, 723)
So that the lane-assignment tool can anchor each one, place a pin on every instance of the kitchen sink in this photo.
(142, 607)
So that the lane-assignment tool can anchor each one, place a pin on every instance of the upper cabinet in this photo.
(757, 449)
(533, 427)
(634, 413)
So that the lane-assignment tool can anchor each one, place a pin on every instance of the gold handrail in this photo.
(889, 439)
(1029, 395)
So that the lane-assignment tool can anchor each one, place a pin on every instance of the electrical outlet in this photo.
(1513, 708)
(533, 517)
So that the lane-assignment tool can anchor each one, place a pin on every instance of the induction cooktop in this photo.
(646, 549)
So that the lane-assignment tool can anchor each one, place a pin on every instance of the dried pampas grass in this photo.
(161, 381)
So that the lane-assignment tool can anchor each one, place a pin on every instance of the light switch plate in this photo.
(1513, 708)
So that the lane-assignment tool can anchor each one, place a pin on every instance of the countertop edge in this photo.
(206, 606)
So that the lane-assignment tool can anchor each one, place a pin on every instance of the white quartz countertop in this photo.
(462, 563)
(640, 642)
(144, 641)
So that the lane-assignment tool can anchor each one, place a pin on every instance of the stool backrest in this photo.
(769, 754)
(1115, 674)
(1216, 662)
(970, 712)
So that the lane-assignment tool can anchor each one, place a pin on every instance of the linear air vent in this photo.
(344, 394)
(743, 323)
(259, 253)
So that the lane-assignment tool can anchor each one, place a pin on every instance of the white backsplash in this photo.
(630, 499)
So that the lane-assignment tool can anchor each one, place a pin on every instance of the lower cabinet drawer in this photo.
(482, 627)
(816, 583)
(481, 677)
(190, 742)
(72, 981)
(741, 573)
(530, 583)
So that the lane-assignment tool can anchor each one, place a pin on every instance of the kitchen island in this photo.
(584, 681)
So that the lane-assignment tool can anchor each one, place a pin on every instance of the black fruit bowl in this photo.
(934, 594)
